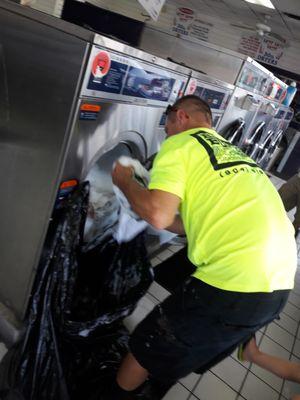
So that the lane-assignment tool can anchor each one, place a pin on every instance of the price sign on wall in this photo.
(266, 49)
(187, 23)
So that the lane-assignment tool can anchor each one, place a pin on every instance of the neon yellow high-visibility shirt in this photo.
(239, 236)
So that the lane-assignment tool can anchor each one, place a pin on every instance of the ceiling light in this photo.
(265, 3)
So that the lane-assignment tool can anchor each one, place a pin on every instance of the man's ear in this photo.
(182, 115)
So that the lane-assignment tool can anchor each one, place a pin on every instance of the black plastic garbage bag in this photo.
(74, 338)
(111, 280)
(34, 364)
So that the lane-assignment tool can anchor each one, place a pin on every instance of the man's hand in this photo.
(177, 226)
(121, 175)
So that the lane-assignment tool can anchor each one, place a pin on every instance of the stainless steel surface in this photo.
(210, 80)
(10, 328)
(147, 70)
(43, 68)
(138, 54)
(47, 19)
(92, 139)
(212, 60)
(241, 110)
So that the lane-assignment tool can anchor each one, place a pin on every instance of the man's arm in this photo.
(157, 207)
(177, 226)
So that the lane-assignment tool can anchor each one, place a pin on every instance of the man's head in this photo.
(187, 113)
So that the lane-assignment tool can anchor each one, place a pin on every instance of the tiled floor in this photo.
(232, 380)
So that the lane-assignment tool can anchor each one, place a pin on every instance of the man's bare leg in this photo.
(131, 374)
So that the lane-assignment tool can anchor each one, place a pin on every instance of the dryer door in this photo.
(264, 150)
(251, 143)
(234, 131)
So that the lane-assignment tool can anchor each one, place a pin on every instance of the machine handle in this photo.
(255, 133)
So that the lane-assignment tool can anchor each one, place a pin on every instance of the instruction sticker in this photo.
(89, 111)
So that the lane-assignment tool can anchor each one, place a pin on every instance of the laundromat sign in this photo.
(266, 49)
(188, 23)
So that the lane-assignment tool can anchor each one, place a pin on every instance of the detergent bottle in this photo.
(291, 91)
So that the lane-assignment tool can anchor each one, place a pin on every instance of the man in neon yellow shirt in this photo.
(239, 239)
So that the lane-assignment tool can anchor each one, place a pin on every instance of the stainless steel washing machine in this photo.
(82, 96)
(269, 116)
(216, 93)
(239, 119)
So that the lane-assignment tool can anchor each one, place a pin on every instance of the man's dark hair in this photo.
(195, 102)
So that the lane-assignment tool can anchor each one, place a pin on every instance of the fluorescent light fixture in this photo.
(265, 3)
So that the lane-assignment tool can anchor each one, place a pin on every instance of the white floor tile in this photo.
(290, 389)
(294, 299)
(190, 381)
(175, 248)
(155, 261)
(164, 255)
(281, 336)
(152, 298)
(211, 387)
(158, 291)
(274, 381)
(231, 371)
(256, 389)
(292, 311)
(269, 347)
(296, 349)
(178, 392)
(145, 305)
(296, 290)
(287, 323)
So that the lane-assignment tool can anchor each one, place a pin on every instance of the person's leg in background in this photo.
(283, 368)
(290, 195)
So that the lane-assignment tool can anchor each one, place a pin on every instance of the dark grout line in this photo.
(290, 357)
(282, 327)
(296, 320)
(194, 387)
(248, 369)
(273, 340)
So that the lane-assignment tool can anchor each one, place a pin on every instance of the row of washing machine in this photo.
(251, 115)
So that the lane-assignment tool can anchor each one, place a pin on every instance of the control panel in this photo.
(253, 79)
(216, 97)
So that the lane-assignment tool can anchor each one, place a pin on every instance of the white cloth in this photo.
(130, 224)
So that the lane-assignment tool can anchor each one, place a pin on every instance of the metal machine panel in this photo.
(210, 59)
(216, 93)
(41, 67)
(93, 137)
(116, 76)
(239, 115)
(253, 77)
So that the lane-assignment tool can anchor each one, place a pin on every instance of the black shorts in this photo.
(198, 326)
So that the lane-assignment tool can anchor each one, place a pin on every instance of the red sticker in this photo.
(101, 64)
